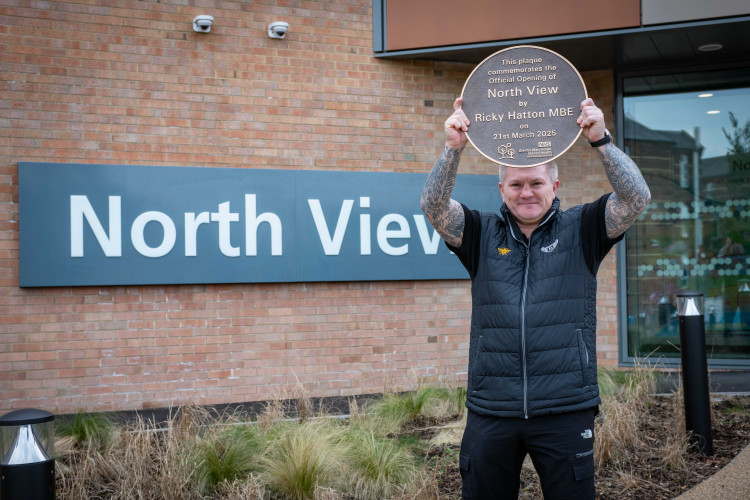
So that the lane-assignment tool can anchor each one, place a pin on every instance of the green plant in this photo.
(458, 396)
(638, 382)
(611, 380)
(641, 381)
(232, 454)
(380, 466)
(395, 411)
(88, 429)
(739, 139)
(302, 457)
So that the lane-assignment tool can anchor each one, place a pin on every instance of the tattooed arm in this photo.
(631, 194)
(444, 213)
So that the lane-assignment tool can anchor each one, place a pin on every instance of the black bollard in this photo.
(27, 468)
(695, 370)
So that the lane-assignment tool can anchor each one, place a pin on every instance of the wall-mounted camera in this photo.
(278, 29)
(202, 24)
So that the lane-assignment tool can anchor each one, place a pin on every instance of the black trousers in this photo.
(561, 447)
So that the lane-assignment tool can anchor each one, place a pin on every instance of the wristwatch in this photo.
(604, 140)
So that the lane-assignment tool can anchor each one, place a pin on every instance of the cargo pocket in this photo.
(583, 465)
(464, 463)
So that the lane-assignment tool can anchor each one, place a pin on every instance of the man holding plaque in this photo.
(532, 384)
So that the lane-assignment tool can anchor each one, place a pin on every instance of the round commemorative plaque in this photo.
(522, 104)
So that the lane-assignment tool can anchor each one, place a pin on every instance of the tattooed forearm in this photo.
(444, 213)
(631, 191)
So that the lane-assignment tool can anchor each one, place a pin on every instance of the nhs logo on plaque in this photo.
(136, 225)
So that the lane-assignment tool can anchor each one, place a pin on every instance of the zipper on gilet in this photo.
(527, 246)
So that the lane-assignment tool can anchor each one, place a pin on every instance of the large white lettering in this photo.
(192, 223)
(139, 240)
(331, 245)
(253, 220)
(81, 208)
(390, 227)
(384, 234)
(224, 217)
(429, 244)
(365, 245)
(111, 242)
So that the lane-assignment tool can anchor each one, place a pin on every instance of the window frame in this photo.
(624, 359)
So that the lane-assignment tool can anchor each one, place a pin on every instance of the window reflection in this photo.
(693, 148)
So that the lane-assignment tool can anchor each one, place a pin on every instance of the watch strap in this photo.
(604, 140)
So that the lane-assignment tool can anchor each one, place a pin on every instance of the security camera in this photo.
(202, 24)
(278, 29)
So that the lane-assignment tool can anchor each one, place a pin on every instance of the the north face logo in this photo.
(550, 248)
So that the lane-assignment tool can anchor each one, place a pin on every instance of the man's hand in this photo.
(631, 193)
(456, 126)
(591, 121)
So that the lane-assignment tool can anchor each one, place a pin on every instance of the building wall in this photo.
(132, 84)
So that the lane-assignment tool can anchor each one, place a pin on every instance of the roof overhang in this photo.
(623, 48)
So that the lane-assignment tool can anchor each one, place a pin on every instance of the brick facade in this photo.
(131, 83)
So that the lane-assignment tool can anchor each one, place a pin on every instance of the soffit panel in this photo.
(412, 24)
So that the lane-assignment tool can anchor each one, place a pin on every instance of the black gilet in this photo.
(533, 324)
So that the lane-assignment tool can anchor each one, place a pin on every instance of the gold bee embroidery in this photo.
(503, 251)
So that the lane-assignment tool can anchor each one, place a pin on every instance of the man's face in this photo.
(528, 193)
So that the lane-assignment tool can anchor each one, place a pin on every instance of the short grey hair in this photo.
(551, 167)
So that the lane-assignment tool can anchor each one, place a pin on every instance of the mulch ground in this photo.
(642, 474)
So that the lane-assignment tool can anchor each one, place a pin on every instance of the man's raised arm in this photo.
(631, 193)
(444, 213)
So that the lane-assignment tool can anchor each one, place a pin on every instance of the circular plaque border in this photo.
(545, 160)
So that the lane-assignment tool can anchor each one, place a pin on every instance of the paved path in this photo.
(730, 483)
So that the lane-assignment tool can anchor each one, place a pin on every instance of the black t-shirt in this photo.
(594, 240)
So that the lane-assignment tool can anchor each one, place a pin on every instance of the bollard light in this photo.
(743, 303)
(27, 466)
(695, 370)
(690, 304)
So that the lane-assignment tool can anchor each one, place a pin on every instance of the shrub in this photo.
(301, 457)
(617, 428)
(395, 411)
(232, 454)
(379, 466)
(87, 429)
(143, 464)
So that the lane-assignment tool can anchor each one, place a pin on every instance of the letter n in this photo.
(81, 208)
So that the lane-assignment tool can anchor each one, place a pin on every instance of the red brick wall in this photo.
(131, 84)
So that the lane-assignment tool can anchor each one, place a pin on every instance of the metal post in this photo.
(695, 370)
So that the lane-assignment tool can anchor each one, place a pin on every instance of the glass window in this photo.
(690, 135)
